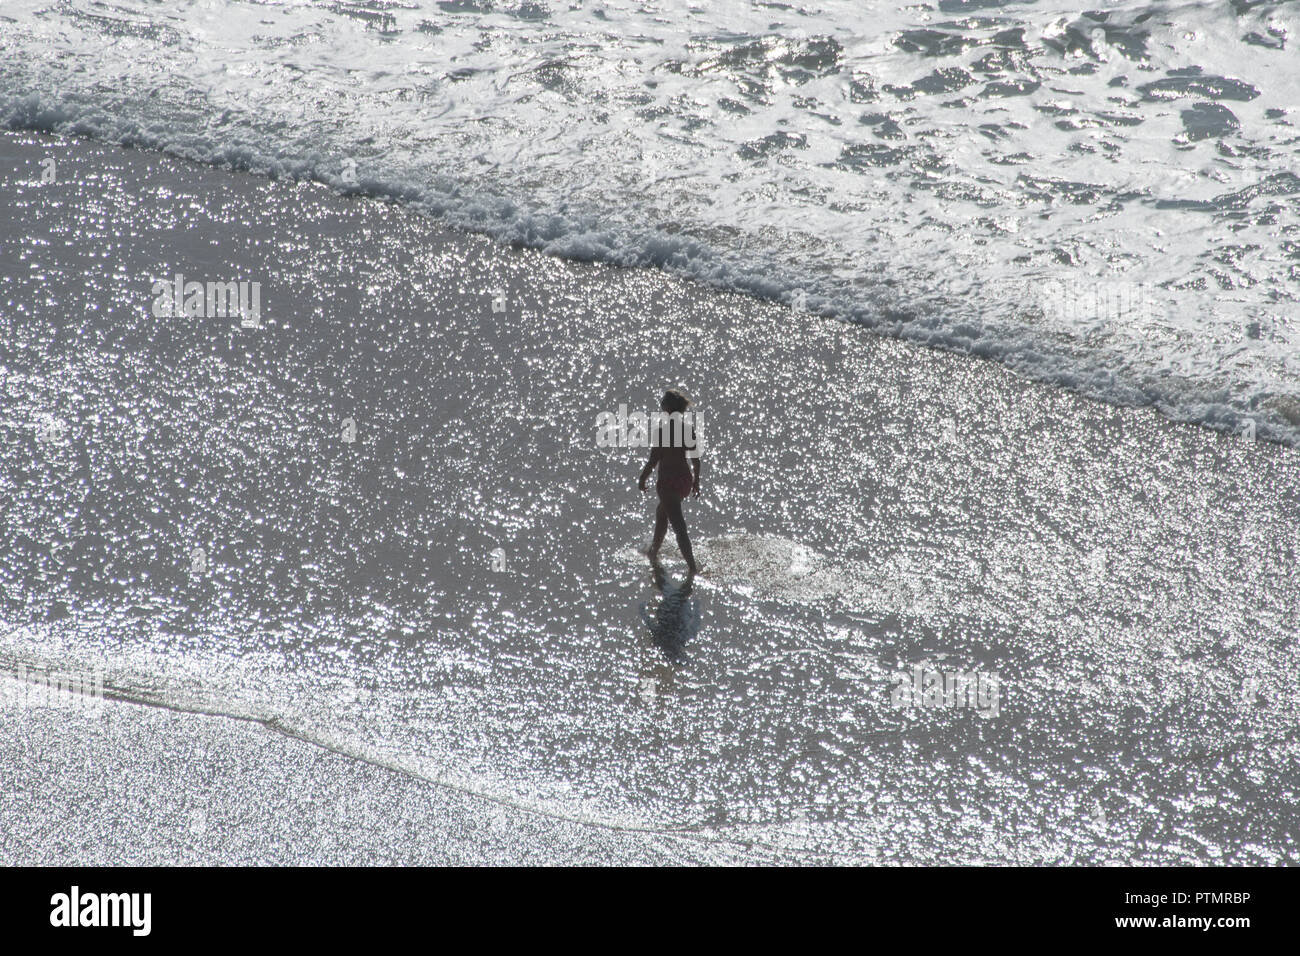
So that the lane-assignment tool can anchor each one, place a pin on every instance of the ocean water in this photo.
(452, 589)
(1106, 200)
(381, 524)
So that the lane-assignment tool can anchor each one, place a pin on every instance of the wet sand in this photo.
(448, 616)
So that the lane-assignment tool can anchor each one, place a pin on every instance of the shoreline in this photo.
(1072, 381)
(874, 506)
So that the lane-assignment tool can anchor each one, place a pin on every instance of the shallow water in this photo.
(455, 592)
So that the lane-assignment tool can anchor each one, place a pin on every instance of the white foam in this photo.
(1055, 231)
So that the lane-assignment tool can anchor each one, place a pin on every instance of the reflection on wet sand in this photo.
(675, 620)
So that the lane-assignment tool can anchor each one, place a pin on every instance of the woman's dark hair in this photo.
(674, 400)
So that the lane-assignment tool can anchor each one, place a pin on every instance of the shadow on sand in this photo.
(675, 618)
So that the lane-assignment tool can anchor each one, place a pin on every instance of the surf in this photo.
(884, 209)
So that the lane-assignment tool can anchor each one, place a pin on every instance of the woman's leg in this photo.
(672, 504)
(661, 528)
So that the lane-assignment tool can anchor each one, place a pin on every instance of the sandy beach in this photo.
(362, 587)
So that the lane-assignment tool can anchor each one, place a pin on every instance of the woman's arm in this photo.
(655, 454)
